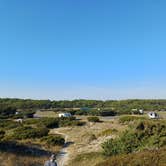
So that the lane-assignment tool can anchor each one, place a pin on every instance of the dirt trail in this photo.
(63, 155)
(83, 139)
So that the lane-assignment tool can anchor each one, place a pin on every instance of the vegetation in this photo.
(93, 119)
(144, 139)
(54, 140)
(96, 107)
(27, 132)
(8, 124)
(7, 111)
(146, 134)
(144, 158)
(108, 132)
(126, 119)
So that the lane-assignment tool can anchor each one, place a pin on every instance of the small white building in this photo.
(65, 115)
(153, 115)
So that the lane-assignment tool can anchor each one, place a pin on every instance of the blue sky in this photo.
(98, 49)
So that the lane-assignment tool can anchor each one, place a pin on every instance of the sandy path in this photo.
(63, 155)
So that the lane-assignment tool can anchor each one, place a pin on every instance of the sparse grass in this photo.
(87, 159)
(144, 158)
(48, 114)
(162, 114)
(130, 118)
(108, 132)
(9, 159)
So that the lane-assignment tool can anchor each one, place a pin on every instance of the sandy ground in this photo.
(83, 139)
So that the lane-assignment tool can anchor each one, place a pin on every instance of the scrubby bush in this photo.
(8, 124)
(69, 121)
(7, 111)
(49, 122)
(27, 132)
(145, 158)
(108, 132)
(32, 121)
(54, 140)
(145, 134)
(127, 119)
(93, 119)
(112, 147)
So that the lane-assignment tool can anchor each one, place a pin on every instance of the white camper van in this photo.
(153, 115)
(65, 115)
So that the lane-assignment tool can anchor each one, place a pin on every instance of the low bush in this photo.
(54, 140)
(93, 119)
(64, 122)
(145, 134)
(49, 122)
(29, 132)
(108, 132)
(8, 124)
(127, 119)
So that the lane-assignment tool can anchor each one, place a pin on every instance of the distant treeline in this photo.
(117, 105)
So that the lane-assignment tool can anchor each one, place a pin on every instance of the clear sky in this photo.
(97, 49)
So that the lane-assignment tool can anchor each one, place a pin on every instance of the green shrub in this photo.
(54, 140)
(32, 121)
(127, 119)
(64, 122)
(7, 111)
(93, 119)
(49, 122)
(8, 124)
(29, 132)
(108, 132)
(145, 134)
(112, 147)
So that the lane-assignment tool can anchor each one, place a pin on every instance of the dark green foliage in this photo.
(119, 107)
(93, 119)
(7, 111)
(63, 122)
(145, 134)
(49, 122)
(81, 112)
(29, 132)
(8, 124)
(112, 147)
(2, 134)
(54, 140)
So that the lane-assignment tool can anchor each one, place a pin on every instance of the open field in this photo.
(49, 114)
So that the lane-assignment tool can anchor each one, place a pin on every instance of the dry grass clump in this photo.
(108, 132)
(144, 158)
(9, 159)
